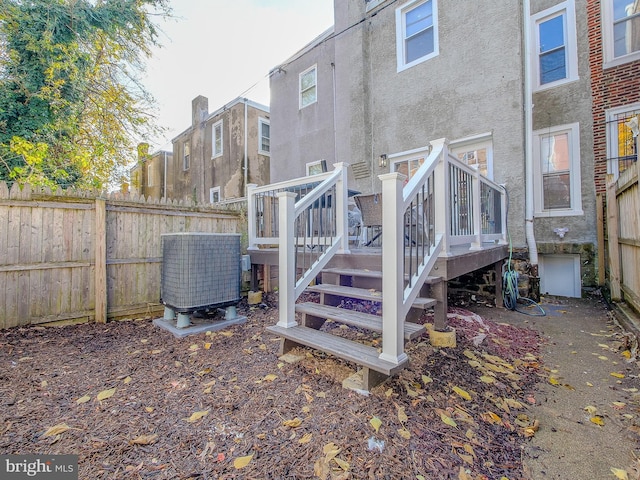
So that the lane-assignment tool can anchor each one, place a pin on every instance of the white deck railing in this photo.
(446, 203)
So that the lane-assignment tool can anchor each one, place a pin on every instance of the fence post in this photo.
(600, 238)
(441, 194)
(342, 217)
(286, 262)
(393, 311)
(101, 261)
(614, 247)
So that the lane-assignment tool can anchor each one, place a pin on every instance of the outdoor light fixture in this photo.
(382, 162)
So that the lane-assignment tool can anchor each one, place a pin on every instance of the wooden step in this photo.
(326, 289)
(340, 347)
(355, 319)
(354, 272)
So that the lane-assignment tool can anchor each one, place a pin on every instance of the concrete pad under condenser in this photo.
(198, 325)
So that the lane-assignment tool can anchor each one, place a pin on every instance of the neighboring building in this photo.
(614, 40)
(221, 152)
(147, 177)
(509, 88)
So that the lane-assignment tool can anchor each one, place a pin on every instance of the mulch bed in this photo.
(223, 406)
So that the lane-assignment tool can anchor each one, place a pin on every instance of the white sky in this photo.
(221, 48)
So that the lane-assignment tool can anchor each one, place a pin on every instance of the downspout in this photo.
(246, 161)
(528, 141)
(335, 130)
(164, 192)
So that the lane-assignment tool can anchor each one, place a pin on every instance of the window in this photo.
(265, 136)
(216, 139)
(416, 33)
(556, 59)
(622, 144)
(214, 195)
(186, 155)
(621, 31)
(314, 168)
(150, 179)
(308, 87)
(476, 152)
(408, 162)
(557, 179)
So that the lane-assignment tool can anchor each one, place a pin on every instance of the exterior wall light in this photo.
(382, 161)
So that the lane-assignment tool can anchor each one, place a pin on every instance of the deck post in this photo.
(503, 216)
(476, 208)
(251, 217)
(393, 312)
(286, 261)
(342, 217)
(441, 194)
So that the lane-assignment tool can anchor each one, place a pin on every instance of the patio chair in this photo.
(371, 210)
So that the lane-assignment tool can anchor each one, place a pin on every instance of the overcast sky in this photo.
(224, 49)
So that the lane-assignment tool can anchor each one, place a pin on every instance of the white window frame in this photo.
(611, 115)
(570, 44)
(474, 143)
(317, 167)
(401, 15)
(214, 139)
(261, 123)
(313, 68)
(575, 184)
(610, 60)
(213, 192)
(419, 156)
(186, 155)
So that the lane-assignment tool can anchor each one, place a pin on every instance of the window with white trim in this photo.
(407, 163)
(477, 152)
(557, 187)
(555, 43)
(620, 31)
(309, 86)
(264, 132)
(622, 137)
(416, 32)
(214, 195)
(216, 140)
(186, 155)
(150, 175)
(314, 168)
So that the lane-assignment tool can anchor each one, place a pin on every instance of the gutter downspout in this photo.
(528, 141)
(246, 160)
(164, 192)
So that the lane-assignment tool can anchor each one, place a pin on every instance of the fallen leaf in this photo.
(56, 430)
(617, 375)
(149, 409)
(127, 380)
(207, 346)
(342, 464)
(270, 377)
(448, 420)
(487, 379)
(402, 416)
(404, 433)
(202, 373)
(554, 381)
(619, 405)
(103, 395)
(296, 422)
(330, 451)
(84, 399)
(376, 423)
(620, 474)
(591, 409)
(226, 333)
(242, 462)
(598, 420)
(306, 438)
(197, 416)
(426, 379)
(463, 393)
(463, 475)
(602, 357)
(144, 440)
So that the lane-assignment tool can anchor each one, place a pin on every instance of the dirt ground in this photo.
(133, 401)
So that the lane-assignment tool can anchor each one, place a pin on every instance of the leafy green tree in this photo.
(72, 108)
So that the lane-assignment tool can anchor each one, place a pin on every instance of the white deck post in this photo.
(286, 260)
(342, 217)
(476, 207)
(393, 311)
(441, 194)
(503, 218)
(251, 217)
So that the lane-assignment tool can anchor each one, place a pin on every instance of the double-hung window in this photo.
(477, 152)
(557, 171)
(265, 136)
(556, 58)
(186, 155)
(416, 32)
(309, 87)
(621, 31)
(216, 139)
(214, 195)
(622, 137)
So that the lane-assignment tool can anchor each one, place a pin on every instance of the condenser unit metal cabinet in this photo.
(200, 271)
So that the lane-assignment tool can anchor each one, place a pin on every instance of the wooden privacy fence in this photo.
(77, 256)
(623, 228)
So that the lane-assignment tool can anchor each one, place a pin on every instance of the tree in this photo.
(72, 108)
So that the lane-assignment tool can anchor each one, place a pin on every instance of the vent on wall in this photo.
(200, 271)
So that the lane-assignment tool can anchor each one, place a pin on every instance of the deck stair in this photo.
(352, 283)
